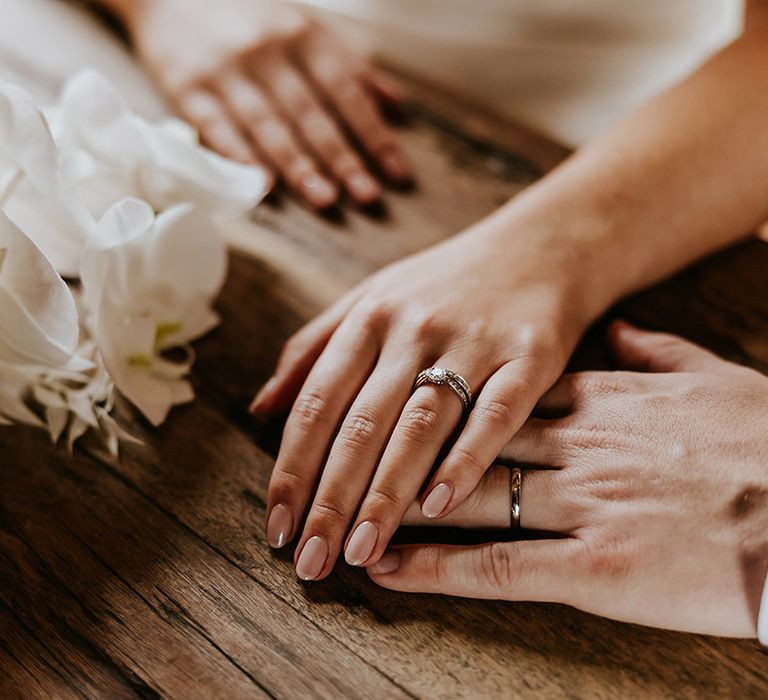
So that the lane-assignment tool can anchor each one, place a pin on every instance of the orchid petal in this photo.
(38, 317)
(150, 283)
(35, 196)
(160, 163)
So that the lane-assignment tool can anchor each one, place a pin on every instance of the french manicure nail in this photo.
(437, 500)
(361, 543)
(395, 165)
(279, 526)
(257, 405)
(312, 558)
(319, 191)
(388, 564)
(362, 187)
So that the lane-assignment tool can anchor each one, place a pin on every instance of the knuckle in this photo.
(257, 118)
(536, 341)
(494, 409)
(384, 498)
(495, 566)
(304, 110)
(427, 327)
(421, 420)
(374, 313)
(609, 557)
(467, 462)
(310, 408)
(285, 484)
(359, 430)
(295, 164)
(593, 385)
(345, 160)
(586, 438)
(268, 129)
(326, 510)
(428, 564)
(344, 86)
(294, 346)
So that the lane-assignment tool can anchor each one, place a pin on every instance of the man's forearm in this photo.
(683, 176)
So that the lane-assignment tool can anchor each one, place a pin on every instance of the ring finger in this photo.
(544, 504)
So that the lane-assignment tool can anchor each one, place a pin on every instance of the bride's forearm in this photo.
(680, 178)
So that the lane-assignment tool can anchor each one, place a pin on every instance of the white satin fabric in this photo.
(569, 68)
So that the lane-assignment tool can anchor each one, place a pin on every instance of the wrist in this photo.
(549, 251)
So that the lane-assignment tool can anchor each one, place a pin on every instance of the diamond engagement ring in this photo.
(454, 381)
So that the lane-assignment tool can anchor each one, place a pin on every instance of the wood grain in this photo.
(150, 576)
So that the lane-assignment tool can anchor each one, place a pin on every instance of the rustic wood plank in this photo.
(116, 590)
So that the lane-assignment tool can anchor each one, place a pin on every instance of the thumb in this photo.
(646, 351)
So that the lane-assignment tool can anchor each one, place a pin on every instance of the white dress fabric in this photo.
(568, 68)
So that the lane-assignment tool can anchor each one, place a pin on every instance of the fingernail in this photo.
(395, 165)
(362, 187)
(437, 500)
(361, 544)
(388, 564)
(257, 405)
(319, 192)
(312, 558)
(279, 526)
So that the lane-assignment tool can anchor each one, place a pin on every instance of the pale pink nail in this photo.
(312, 558)
(361, 544)
(388, 564)
(437, 500)
(319, 192)
(279, 526)
(362, 187)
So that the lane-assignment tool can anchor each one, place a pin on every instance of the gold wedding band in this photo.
(515, 490)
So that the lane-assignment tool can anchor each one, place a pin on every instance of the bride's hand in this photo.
(658, 483)
(264, 84)
(502, 311)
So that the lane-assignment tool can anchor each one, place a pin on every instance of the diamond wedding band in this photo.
(454, 381)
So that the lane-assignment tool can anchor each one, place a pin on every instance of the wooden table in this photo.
(150, 576)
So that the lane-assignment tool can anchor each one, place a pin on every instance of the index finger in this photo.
(539, 570)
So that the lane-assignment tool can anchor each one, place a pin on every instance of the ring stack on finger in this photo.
(440, 375)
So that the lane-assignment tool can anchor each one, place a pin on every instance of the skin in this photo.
(656, 480)
(503, 304)
(264, 84)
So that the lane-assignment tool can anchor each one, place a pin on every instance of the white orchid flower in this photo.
(110, 153)
(39, 330)
(149, 284)
(33, 192)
